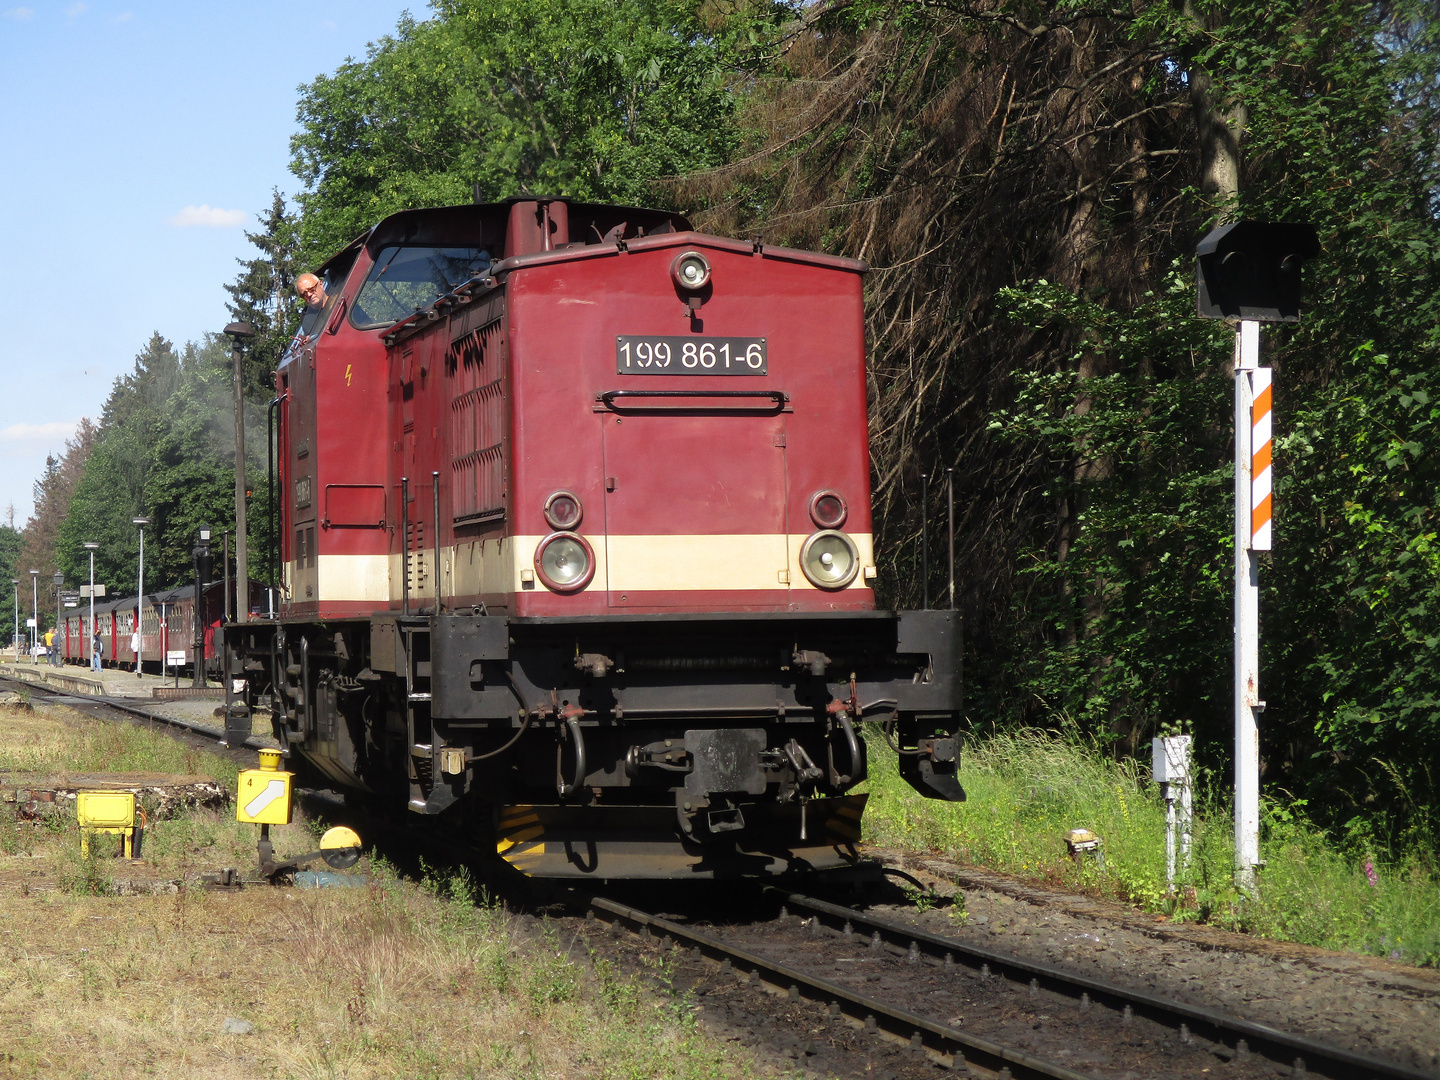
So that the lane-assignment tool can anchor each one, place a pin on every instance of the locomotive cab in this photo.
(578, 545)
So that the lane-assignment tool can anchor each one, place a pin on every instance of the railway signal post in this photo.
(1249, 271)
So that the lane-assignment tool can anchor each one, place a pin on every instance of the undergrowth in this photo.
(1026, 789)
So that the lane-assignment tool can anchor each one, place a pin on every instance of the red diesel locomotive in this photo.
(576, 546)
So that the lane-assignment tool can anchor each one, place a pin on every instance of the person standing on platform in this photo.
(95, 652)
(50, 647)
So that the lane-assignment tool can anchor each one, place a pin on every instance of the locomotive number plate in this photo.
(646, 355)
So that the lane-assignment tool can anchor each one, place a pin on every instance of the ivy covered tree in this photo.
(1029, 181)
(11, 540)
(53, 491)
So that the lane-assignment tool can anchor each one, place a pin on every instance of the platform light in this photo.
(829, 559)
(565, 562)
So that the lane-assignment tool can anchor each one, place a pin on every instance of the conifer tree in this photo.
(264, 296)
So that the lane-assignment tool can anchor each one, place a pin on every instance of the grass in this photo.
(56, 740)
(400, 978)
(395, 979)
(1026, 789)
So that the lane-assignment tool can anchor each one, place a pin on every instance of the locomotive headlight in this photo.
(564, 562)
(828, 509)
(691, 270)
(829, 559)
(563, 510)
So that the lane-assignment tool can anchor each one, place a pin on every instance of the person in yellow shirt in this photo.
(50, 647)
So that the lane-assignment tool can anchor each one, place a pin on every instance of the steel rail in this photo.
(134, 710)
(1243, 1036)
(955, 1048)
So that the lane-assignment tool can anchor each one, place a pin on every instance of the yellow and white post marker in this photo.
(264, 798)
(264, 793)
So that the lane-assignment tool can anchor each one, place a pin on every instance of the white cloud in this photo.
(74, 11)
(20, 13)
(211, 216)
(54, 432)
(123, 17)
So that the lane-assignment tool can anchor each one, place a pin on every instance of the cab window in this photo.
(405, 278)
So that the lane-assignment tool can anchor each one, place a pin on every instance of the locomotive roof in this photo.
(486, 225)
(613, 245)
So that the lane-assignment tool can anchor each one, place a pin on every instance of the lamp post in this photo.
(34, 610)
(16, 582)
(141, 522)
(90, 546)
(200, 555)
(240, 332)
(59, 580)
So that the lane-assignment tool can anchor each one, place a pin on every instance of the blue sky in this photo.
(138, 142)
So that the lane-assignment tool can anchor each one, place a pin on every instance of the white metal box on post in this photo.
(1170, 763)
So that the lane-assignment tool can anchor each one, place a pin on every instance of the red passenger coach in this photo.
(577, 545)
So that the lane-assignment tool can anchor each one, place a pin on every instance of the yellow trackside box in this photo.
(264, 794)
(105, 809)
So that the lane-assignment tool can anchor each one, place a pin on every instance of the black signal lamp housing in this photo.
(1250, 270)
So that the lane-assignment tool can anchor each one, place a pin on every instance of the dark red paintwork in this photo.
(358, 419)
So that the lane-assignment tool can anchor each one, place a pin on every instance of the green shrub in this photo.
(1027, 788)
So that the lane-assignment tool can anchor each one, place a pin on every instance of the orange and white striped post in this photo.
(1253, 511)
(1261, 493)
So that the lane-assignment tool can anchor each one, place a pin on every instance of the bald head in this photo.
(311, 289)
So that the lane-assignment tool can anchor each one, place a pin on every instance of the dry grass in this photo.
(32, 742)
(56, 740)
(395, 979)
(389, 980)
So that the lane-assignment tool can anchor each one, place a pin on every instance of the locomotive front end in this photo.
(628, 626)
(688, 626)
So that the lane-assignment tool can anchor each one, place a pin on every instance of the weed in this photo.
(959, 914)
(1028, 788)
(923, 899)
(621, 995)
(11, 842)
(85, 875)
(552, 978)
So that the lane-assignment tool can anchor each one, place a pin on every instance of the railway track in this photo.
(1022, 986)
(136, 711)
(946, 1045)
(1240, 1037)
(922, 980)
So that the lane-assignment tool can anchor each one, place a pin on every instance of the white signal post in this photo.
(1250, 271)
(1253, 385)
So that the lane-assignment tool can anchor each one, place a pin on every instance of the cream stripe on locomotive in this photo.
(688, 563)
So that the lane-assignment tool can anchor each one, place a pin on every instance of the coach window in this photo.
(404, 279)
